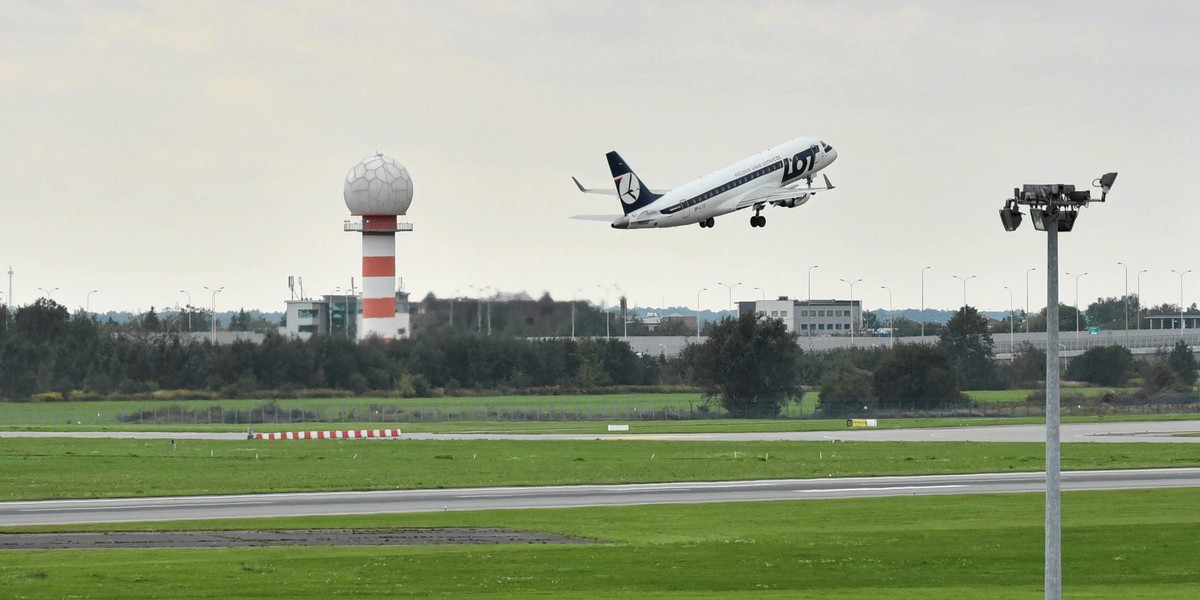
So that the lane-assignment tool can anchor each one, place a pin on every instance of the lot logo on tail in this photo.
(629, 188)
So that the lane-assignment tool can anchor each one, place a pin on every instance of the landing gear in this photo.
(758, 220)
(707, 223)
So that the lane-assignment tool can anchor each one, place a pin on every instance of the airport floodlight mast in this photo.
(1053, 208)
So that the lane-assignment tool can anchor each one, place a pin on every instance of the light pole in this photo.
(809, 311)
(477, 296)
(923, 299)
(607, 328)
(762, 294)
(1181, 274)
(1027, 272)
(48, 293)
(189, 305)
(964, 284)
(624, 306)
(1052, 208)
(1011, 317)
(495, 294)
(454, 295)
(213, 308)
(891, 323)
(1139, 297)
(1126, 299)
(1076, 302)
(851, 284)
(574, 301)
(730, 293)
(698, 310)
(87, 303)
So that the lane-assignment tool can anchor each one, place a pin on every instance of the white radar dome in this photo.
(378, 186)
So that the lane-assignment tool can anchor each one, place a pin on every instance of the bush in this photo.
(1106, 365)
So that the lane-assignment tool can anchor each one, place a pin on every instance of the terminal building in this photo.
(809, 317)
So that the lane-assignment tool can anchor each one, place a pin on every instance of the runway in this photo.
(1109, 432)
(63, 512)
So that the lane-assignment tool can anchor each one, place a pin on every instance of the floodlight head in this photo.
(1066, 219)
(1010, 217)
(1105, 183)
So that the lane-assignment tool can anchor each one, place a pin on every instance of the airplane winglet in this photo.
(579, 185)
(828, 186)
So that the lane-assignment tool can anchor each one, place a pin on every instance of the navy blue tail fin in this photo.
(633, 193)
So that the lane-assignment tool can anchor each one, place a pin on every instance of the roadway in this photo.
(64, 512)
(1109, 432)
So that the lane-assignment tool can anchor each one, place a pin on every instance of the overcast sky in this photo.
(153, 147)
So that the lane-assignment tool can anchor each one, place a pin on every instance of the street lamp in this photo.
(213, 309)
(964, 284)
(1076, 302)
(607, 314)
(851, 284)
(762, 294)
(1011, 316)
(477, 296)
(698, 310)
(189, 305)
(1052, 208)
(809, 311)
(574, 301)
(923, 299)
(730, 293)
(48, 294)
(1027, 272)
(1126, 299)
(1139, 297)
(87, 304)
(624, 305)
(891, 322)
(1180, 297)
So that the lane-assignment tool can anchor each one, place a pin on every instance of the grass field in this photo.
(546, 414)
(1118, 545)
(83, 468)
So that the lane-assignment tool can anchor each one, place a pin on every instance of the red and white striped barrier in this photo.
(352, 434)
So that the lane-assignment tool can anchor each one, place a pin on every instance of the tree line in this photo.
(750, 364)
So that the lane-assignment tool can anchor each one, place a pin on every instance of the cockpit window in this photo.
(826, 147)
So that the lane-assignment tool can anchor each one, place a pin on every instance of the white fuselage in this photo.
(728, 189)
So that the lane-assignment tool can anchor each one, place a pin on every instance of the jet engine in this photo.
(792, 202)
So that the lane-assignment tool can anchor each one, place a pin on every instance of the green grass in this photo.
(112, 412)
(84, 468)
(1119, 545)
(1014, 396)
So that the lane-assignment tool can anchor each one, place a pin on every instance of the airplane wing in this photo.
(606, 191)
(768, 194)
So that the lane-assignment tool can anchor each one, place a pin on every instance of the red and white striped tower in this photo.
(378, 189)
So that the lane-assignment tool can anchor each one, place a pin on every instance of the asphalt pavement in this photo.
(62, 512)
(1113, 432)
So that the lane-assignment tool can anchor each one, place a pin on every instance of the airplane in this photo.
(766, 178)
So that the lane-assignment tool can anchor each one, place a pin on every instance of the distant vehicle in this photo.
(771, 177)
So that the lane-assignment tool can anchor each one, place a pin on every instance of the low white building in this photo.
(337, 314)
(809, 317)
